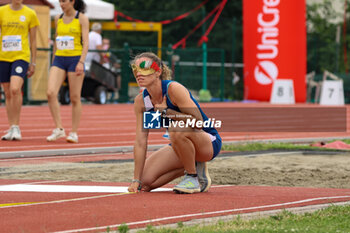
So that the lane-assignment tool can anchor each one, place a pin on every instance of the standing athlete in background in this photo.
(70, 49)
(18, 24)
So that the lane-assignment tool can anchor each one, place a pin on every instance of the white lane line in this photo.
(68, 188)
(38, 182)
(70, 156)
(81, 145)
(203, 214)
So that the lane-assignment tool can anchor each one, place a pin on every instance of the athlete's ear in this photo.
(160, 72)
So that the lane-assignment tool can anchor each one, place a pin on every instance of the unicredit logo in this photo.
(266, 70)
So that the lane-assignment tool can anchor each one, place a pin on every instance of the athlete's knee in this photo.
(147, 182)
(75, 98)
(7, 95)
(15, 91)
(177, 136)
(145, 188)
(51, 95)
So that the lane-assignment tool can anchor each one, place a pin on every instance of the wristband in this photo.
(137, 181)
(81, 62)
(33, 64)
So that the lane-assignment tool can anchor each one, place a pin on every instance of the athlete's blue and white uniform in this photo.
(213, 133)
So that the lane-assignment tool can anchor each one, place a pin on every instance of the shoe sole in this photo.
(71, 141)
(208, 178)
(206, 173)
(52, 140)
(186, 191)
(11, 139)
(4, 138)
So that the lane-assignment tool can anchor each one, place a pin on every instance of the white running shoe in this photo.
(16, 133)
(8, 135)
(189, 184)
(73, 137)
(56, 134)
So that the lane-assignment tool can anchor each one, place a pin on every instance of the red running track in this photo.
(94, 212)
(113, 125)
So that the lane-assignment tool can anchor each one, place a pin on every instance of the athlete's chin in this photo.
(141, 83)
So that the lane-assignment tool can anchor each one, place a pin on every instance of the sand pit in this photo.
(271, 169)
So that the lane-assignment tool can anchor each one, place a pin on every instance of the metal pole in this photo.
(204, 50)
(222, 76)
(124, 90)
(204, 68)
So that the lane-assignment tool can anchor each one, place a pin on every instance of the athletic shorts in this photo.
(66, 63)
(16, 68)
(217, 143)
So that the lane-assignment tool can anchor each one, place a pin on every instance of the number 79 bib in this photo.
(65, 42)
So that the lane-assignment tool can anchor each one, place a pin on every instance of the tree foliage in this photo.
(154, 10)
(323, 50)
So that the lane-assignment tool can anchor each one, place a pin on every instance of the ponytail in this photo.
(166, 72)
(80, 6)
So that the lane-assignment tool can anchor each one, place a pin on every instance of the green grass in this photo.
(272, 146)
(347, 141)
(334, 219)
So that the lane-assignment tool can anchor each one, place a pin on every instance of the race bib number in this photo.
(11, 43)
(65, 42)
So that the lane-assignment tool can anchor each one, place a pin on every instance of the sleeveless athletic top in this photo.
(14, 27)
(165, 85)
(68, 40)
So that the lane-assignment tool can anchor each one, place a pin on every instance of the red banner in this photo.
(274, 40)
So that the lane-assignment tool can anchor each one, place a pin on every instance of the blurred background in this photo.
(212, 29)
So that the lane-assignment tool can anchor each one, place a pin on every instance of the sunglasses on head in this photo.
(145, 68)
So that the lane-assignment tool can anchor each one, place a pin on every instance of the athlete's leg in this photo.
(56, 78)
(161, 167)
(16, 99)
(6, 87)
(75, 85)
(190, 146)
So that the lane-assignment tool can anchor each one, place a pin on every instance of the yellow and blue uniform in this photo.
(68, 39)
(68, 44)
(14, 43)
(15, 27)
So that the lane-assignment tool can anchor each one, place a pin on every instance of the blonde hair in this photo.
(166, 72)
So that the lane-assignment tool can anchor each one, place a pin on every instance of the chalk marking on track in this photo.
(115, 190)
(202, 214)
(62, 201)
(42, 182)
(14, 204)
(68, 188)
